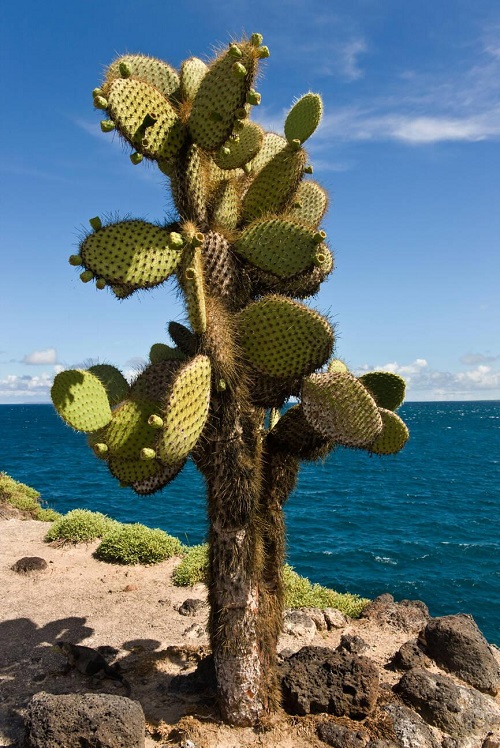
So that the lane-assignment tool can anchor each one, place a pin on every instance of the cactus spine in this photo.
(245, 245)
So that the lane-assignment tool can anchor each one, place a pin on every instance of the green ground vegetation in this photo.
(138, 544)
(24, 498)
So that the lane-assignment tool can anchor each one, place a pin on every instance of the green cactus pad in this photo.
(386, 388)
(226, 206)
(279, 246)
(145, 119)
(394, 434)
(81, 400)
(309, 204)
(129, 430)
(271, 146)
(156, 482)
(129, 471)
(192, 73)
(133, 254)
(113, 380)
(272, 188)
(185, 411)
(299, 286)
(222, 92)
(303, 118)
(153, 384)
(182, 336)
(338, 406)
(294, 435)
(189, 184)
(235, 153)
(146, 69)
(283, 338)
(161, 352)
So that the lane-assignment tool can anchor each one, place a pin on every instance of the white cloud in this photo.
(473, 359)
(47, 357)
(26, 388)
(425, 383)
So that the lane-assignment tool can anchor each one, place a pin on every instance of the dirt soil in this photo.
(130, 613)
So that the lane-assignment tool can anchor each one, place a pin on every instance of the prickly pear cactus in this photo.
(245, 246)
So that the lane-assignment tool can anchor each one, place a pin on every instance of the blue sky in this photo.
(409, 148)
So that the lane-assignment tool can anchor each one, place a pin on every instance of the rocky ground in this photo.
(392, 679)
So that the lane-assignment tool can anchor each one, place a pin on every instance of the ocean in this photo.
(423, 524)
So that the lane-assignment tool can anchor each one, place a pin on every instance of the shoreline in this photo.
(133, 612)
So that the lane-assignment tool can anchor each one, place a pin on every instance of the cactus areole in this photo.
(246, 250)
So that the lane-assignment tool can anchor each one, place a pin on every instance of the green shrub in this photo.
(24, 498)
(81, 525)
(193, 567)
(137, 544)
(300, 593)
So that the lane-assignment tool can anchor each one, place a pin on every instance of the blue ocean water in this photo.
(424, 524)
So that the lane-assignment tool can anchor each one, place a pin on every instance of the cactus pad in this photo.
(129, 430)
(158, 480)
(161, 352)
(338, 406)
(394, 434)
(309, 204)
(134, 254)
(279, 246)
(145, 119)
(155, 381)
(337, 365)
(274, 185)
(303, 118)
(150, 70)
(113, 380)
(185, 411)
(192, 73)
(81, 400)
(237, 152)
(386, 388)
(222, 92)
(182, 336)
(129, 471)
(294, 435)
(283, 338)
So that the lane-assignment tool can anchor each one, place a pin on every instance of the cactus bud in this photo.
(155, 421)
(197, 239)
(256, 40)
(308, 169)
(239, 71)
(221, 385)
(253, 97)
(225, 150)
(295, 144)
(107, 125)
(125, 69)
(136, 158)
(190, 274)
(176, 240)
(238, 126)
(247, 168)
(147, 453)
(100, 102)
(100, 284)
(319, 259)
(235, 51)
(96, 223)
(75, 260)
(241, 113)
(319, 237)
(263, 52)
(86, 276)
(100, 449)
(96, 92)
